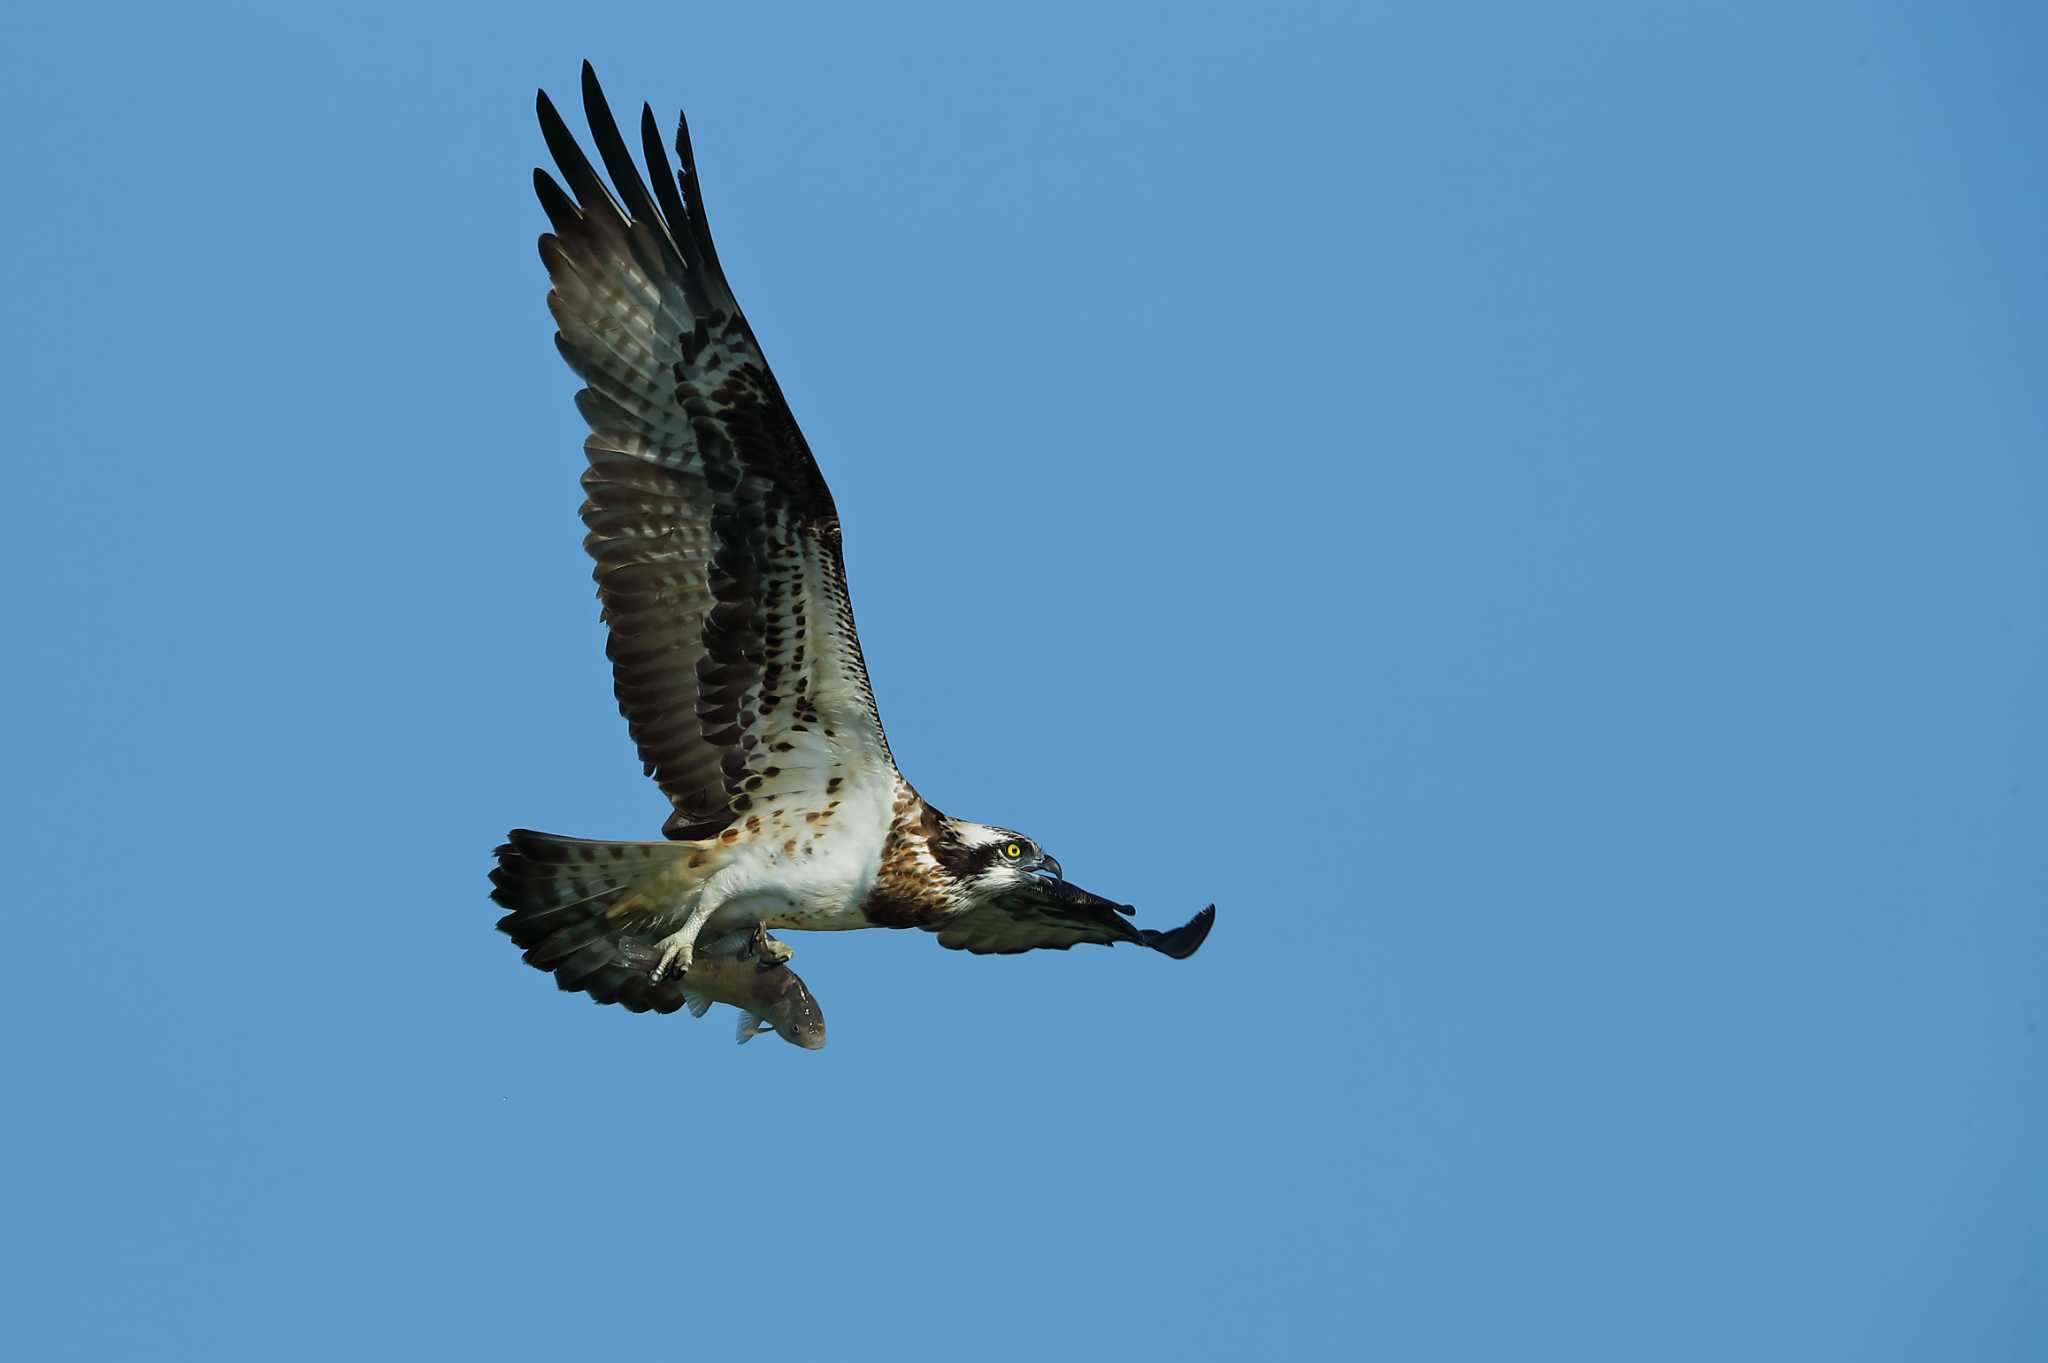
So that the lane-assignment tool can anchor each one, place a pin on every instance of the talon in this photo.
(679, 948)
(770, 950)
(675, 959)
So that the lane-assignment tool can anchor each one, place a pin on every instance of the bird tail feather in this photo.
(572, 907)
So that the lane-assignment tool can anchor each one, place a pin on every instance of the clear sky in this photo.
(1539, 512)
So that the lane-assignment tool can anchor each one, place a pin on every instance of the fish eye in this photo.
(1013, 851)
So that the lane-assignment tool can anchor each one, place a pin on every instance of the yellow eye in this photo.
(1013, 851)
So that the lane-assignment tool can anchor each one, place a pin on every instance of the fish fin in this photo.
(751, 1027)
(697, 1003)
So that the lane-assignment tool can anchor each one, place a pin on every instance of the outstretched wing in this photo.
(1053, 913)
(733, 650)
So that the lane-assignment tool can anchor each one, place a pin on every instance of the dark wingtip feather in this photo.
(682, 228)
(563, 214)
(544, 109)
(618, 162)
(1183, 941)
(584, 182)
(693, 190)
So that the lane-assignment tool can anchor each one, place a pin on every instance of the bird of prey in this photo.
(733, 651)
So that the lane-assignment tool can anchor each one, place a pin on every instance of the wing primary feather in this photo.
(618, 163)
(563, 214)
(1181, 942)
(693, 195)
(583, 179)
(664, 177)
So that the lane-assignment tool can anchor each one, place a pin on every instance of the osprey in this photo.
(734, 656)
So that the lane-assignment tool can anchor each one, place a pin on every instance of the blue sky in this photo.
(1543, 514)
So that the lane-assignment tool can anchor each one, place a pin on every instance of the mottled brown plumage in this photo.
(734, 654)
(912, 890)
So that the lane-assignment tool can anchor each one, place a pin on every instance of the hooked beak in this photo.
(1048, 862)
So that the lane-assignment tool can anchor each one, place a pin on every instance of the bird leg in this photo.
(679, 948)
(769, 951)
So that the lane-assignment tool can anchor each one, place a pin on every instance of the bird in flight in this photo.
(733, 651)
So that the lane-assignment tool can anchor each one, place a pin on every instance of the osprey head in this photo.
(1009, 896)
(985, 860)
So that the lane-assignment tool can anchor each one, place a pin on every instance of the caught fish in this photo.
(769, 995)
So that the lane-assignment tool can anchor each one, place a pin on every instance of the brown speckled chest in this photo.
(912, 889)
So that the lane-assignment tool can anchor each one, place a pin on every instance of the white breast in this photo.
(815, 872)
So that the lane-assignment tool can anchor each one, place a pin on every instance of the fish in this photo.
(769, 995)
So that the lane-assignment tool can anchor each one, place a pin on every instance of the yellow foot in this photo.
(677, 952)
